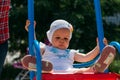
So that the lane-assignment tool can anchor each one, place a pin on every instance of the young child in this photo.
(61, 59)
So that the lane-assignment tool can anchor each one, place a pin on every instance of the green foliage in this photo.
(115, 66)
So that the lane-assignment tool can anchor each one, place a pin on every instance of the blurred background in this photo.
(80, 13)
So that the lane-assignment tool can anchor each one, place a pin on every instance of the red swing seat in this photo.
(78, 76)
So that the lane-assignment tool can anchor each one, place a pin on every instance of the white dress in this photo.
(62, 60)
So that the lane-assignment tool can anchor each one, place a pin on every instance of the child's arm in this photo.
(80, 57)
(26, 28)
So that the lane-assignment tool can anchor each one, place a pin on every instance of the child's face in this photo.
(61, 38)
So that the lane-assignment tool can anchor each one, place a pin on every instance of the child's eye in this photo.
(65, 39)
(57, 37)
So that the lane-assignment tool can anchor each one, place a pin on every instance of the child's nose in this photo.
(61, 40)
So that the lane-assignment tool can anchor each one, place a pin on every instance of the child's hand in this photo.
(28, 23)
(104, 41)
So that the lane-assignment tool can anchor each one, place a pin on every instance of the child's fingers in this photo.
(97, 41)
(26, 28)
(34, 24)
(27, 24)
(105, 41)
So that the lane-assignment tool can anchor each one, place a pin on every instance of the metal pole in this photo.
(99, 24)
(31, 31)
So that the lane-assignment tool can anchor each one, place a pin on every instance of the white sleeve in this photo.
(42, 45)
(72, 53)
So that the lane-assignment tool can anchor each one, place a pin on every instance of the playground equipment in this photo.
(34, 44)
(23, 75)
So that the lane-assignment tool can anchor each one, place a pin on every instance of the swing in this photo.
(35, 44)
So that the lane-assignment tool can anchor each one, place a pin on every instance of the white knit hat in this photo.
(57, 24)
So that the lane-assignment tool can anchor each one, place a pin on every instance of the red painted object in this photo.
(100, 76)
